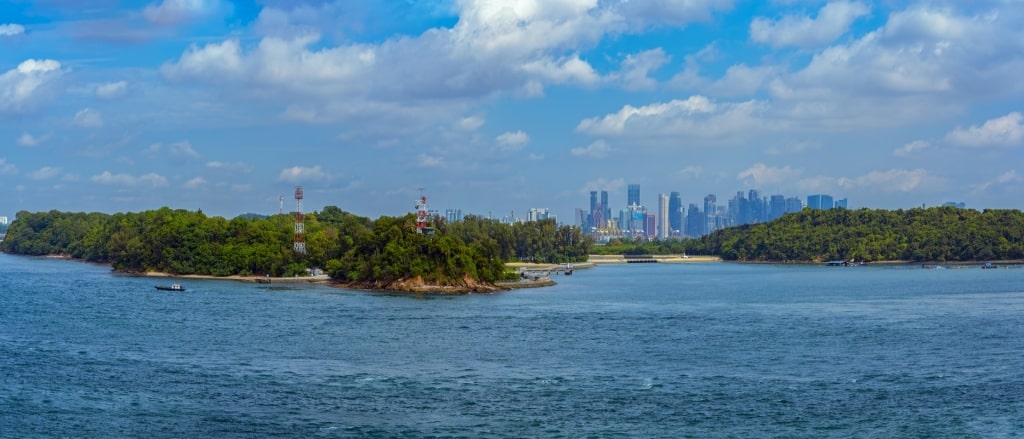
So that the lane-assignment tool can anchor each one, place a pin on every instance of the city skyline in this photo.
(495, 106)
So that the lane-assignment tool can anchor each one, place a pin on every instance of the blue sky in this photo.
(497, 106)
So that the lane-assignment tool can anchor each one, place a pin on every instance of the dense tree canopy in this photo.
(937, 234)
(934, 234)
(349, 247)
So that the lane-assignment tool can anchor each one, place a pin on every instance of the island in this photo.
(389, 253)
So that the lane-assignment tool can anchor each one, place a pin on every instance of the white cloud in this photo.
(679, 122)
(7, 168)
(11, 29)
(169, 12)
(637, 68)
(599, 149)
(151, 179)
(470, 123)
(24, 88)
(911, 148)
(182, 150)
(761, 174)
(27, 140)
(112, 90)
(195, 183)
(429, 161)
(802, 31)
(236, 166)
(691, 172)
(603, 184)
(1005, 179)
(512, 141)
(893, 180)
(298, 174)
(88, 118)
(46, 173)
(1002, 131)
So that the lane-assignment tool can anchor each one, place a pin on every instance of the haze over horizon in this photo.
(492, 106)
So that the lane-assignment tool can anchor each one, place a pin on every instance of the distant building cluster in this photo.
(3, 220)
(672, 219)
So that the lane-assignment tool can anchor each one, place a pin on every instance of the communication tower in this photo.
(421, 214)
(281, 201)
(300, 234)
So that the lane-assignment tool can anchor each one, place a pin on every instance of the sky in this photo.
(495, 107)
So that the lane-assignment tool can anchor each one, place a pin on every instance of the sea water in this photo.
(647, 350)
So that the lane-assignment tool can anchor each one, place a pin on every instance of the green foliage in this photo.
(348, 247)
(934, 234)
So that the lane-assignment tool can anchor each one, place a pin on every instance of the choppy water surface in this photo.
(650, 350)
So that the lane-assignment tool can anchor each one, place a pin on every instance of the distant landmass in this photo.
(386, 253)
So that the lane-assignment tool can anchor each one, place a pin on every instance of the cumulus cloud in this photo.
(893, 180)
(679, 120)
(762, 174)
(603, 184)
(299, 174)
(429, 161)
(236, 166)
(26, 87)
(691, 172)
(637, 68)
(1002, 131)
(512, 141)
(470, 123)
(46, 173)
(11, 29)
(28, 140)
(195, 183)
(599, 149)
(112, 90)
(1007, 178)
(911, 148)
(150, 179)
(7, 168)
(88, 118)
(832, 21)
(169, 12)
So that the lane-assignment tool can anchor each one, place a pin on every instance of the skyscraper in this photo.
(776, 207)
(710, 214)
(633, 195)
(605, 209)
(591, 221)
(694, 221)
(663, 225)
(675, 214)
(819, 201)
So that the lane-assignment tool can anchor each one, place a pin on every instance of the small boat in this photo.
(173, 287)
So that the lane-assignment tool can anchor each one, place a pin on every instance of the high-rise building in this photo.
(663, 224)
(793, 204)
(3, 220)
(841, 203)
(537, 214)
(606, 209)
(591, 221)
(756, 207)
(453, 215)
(675, 214)
(820, 201)
(776, 207)
(710, 214)
(650, 225)
(633, 195)
(694, 221)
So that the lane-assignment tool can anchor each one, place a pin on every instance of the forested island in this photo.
(386, 253)
(936, 234)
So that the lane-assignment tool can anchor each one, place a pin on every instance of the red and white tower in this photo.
(421, 214)
(300, 233)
